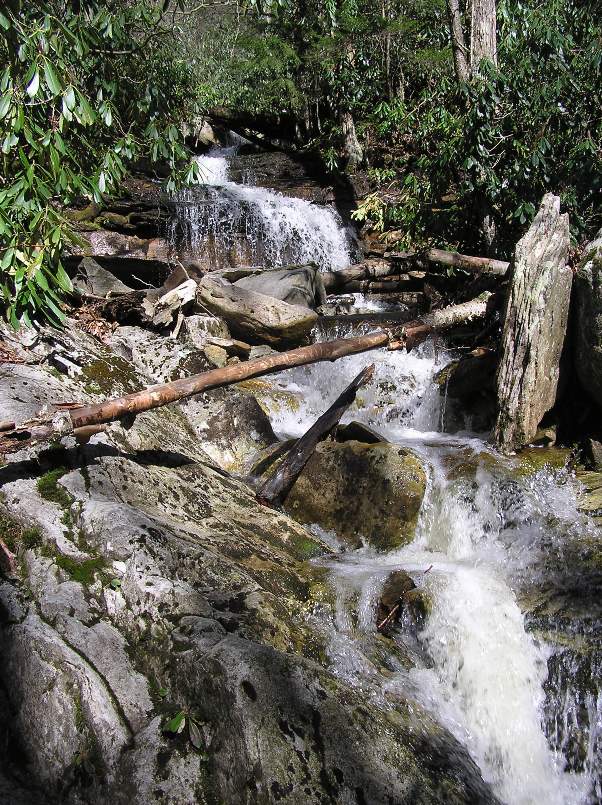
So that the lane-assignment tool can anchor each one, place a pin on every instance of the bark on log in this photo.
(78, 421)
(345, 279)
(534, 328)
(485, 265)
(274, 491)
(483, 34)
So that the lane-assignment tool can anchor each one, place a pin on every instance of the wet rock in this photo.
(254, 316)
(588, 332)
(369, 492)
(593, 452)
(590, 499)
(297, 285)
(358, 432)
(410, 603)
(468, 386)
(92, 278)
(533, 459)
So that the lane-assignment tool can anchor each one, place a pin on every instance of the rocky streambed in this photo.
(419, 624)
(150, 586)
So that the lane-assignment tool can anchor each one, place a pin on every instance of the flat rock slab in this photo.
(297, 285)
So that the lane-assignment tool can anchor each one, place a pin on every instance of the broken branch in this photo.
(274, 491)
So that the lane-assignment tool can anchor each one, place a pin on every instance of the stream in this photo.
(514, 681)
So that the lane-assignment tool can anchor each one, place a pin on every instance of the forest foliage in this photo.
(436, 149)
(88, 87)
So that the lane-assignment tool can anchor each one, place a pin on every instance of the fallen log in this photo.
(275, 489)
(401, 283)
(73, 421)
(483, 265)
(340, 280)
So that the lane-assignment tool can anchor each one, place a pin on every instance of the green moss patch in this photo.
(49, 488)
(80, 571)
(15, 536)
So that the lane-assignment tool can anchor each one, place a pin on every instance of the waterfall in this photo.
(239, 224)
(486, 533)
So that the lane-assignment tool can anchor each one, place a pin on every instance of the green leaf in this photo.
(69, 98)
(5, 102)
(177, 723)
(52, 82)
(33, 85)
(194, 734)
(4, 22)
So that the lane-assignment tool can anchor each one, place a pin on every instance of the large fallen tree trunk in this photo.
(77, 420)
(535, 327)
(276, 488)
(345, 279)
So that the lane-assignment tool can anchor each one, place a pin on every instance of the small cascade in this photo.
(527, 710)
(223, 223)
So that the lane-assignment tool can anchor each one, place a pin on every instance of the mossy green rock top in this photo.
(370, 492)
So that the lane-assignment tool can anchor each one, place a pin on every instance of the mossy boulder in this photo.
(370, 492)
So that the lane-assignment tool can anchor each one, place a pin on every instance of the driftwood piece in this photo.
(65, 422)
(534, 327)
(276, 488)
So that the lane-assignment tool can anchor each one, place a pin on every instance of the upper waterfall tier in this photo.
(223, 223)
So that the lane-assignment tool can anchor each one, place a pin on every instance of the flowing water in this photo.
(509, 657)
(232, 224)
(484, 531)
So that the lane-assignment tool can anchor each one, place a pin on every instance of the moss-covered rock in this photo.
(369, 492)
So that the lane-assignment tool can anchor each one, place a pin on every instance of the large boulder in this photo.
(154, 590)
(297, 285)
(254, 316)
(364, 492)
(588, 336)
(535, 327)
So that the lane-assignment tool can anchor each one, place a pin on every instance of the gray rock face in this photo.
(256, 317)
(535, 327)
(92, 278)
(297, 285)
(588, 341)
(155, 584)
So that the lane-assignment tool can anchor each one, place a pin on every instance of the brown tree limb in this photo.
(275, 489)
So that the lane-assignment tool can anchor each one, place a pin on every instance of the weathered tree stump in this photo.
(534, 328)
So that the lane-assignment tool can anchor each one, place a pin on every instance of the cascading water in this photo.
(485, 534)
(228, 223)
